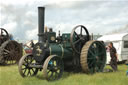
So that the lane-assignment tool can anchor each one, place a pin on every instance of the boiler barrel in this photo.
(59, 50)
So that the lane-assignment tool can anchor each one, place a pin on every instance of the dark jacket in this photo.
(113, 53)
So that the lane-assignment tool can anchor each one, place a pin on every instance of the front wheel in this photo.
(24, 66)
(53, 68)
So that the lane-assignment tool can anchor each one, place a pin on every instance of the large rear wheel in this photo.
(93, 57)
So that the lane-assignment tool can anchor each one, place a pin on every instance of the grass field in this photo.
(9, 75)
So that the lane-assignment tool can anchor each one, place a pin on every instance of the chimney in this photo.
(41, 17)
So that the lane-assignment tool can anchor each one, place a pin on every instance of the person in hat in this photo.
(113, 55)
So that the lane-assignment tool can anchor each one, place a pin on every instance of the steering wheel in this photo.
(79, 36)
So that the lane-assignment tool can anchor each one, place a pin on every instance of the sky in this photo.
(20, 17)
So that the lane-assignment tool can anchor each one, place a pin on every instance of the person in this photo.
(11, 37)
(32, 44)
(113, 55)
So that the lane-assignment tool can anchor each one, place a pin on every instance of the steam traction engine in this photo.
(70, 52)
(10, 50)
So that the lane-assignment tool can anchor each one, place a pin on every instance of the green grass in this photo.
(9, 75)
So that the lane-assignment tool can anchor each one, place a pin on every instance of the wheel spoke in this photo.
(91, 63)
(90, 58)
(97, 48)
(100, 62)
(28, 72)
(48, 71)
(24, 71)
(24, 64)
(27, 60)
(92, 70)
(77, 35)
(6, 54)
(100, 53)
(33, 70)
(90, 51)
(12, 46)
(24, 68)
(76, 42)
(81, 31)
(56, 74)
(94, 49)
(17, 48)
(7, 51)
(51, 75)
(80, 46)
(1, 31)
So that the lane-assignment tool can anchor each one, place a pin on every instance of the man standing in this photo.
(32, 44)
(113, 55)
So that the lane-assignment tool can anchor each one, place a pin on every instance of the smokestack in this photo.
(41, 17)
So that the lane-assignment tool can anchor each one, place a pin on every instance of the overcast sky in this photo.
(20, 18)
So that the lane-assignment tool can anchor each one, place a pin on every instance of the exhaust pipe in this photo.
(41, 17)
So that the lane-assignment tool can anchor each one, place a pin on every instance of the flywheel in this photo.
(93, 57)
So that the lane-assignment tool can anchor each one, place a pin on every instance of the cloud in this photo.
(10, 26)
(18, 19)
(31, 34)
(121, 30)
(94, 15)
(17, 2)
(98, 16)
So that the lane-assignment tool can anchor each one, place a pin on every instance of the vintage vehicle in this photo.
(53, 55)
(10, 50)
